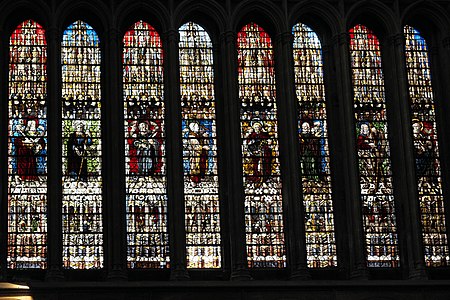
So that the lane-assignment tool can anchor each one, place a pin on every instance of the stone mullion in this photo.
(4, 54)
(355, 234)
(409, 226)
(222, 166)
(439, 63)
(335, 151)
(233, 156)
(54, 158)
(114, 175)
(174, 156)
(295, 234)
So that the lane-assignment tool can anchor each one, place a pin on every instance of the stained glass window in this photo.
(82, 181)
(377, 196)
(313, 145)
(201, 186)
(259, 133)
(428, 167)
(146, 195)
(27, 148)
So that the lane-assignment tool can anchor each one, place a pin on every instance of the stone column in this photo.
(403, 162)
(174, 156)
(295, 234)
(355, 235)
(54, 158)
(114, 161)
(232, 150)
(4, 55)
(439, 55)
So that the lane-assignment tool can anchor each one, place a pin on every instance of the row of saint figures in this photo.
(145, 144)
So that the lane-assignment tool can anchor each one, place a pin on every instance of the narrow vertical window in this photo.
(313, 145)
(145, 165)
(201, 183)
(82, 179)
(377, 195)
(27, 148)
(428, 167)
(260, 155)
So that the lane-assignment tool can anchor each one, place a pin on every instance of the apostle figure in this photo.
(258, 165)
(423, 145)
(29, 149)
(310, 151)
(77, 147)
(144, 148)
(372, 150)
(197, 151)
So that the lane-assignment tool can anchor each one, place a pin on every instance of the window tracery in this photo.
(201, 178)
(146, 182)
(260, 154)
(426, 149)
(375, 171)
(314, 150)
(27, 148)
(82, 148)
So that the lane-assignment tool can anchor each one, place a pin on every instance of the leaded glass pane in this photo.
(377, 195)
(81, 123)
(313, 145)
(426, 148)
(145, 165)
(201, 182)
(27, 148)
(260, 155)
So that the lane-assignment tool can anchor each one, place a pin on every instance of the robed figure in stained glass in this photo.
(77, 151)
(309, 147)
(196, 145)
(29, 147)
(258, 165)
(424, 150)
(144, 147)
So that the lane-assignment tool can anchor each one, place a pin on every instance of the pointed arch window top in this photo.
(193, 35)
(142, 34)
(28, 33)
(80, 34)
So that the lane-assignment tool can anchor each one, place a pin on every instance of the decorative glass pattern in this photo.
(259, 133)
(313, 145)
(82, 179)
(146, 195)
(27, 148)
(201, 182)
(428, 167)
(375, 173)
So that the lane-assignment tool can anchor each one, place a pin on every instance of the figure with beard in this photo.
(77, 146)
(29, 147)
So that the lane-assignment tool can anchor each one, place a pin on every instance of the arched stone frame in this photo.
(380, 19)
(325, 21)
(127, 14)
(49, 13)
(15, 14)
(433, 24)
(93, 14)
(211, 17)
(268, 17)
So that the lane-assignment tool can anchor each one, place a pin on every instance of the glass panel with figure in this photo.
(425, 135)
(377, 195)
(313, 145)
(82, 179)
(260, 155)
(201, 180)
(145, 162)
(27, 148)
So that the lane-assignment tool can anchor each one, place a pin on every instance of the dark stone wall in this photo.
(331, 19)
